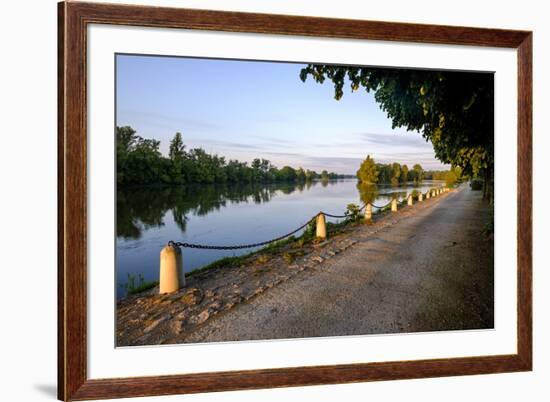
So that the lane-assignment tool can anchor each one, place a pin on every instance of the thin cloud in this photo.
(223, 144)
(403, 139)
(273, 140)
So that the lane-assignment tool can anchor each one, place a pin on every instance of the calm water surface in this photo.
(148, 217)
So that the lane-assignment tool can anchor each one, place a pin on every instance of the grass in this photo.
(222, 262)
(262, 259)
(264, 254)
(476, 184)
(289, 258)
(339, 226)
(134, 286)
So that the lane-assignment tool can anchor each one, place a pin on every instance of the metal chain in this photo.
(252, 245)
(334, 216)
(263, 243)
(381, 207)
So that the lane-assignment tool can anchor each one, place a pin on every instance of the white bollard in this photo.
(368, 213)
(171, 274)
(410, 200)
(321, 226)
(394, 205)
(420, 196)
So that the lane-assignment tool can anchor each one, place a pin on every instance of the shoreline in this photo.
(150, 318)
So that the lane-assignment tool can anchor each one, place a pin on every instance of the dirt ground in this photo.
(424, 268)
(431, 271)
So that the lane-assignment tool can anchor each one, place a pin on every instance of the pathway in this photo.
(431, 271)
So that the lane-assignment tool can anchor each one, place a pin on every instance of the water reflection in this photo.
(148, 217)
(367, 192)
(143, 208)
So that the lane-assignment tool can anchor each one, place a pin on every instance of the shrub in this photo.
(476, 184)
(352, 211)
(288, 257)
(134, 286)
(262, 259)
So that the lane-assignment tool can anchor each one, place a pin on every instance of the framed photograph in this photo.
(253, 201)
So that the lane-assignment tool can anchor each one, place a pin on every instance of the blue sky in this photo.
(248, 109)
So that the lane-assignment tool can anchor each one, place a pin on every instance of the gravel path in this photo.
(432, 270)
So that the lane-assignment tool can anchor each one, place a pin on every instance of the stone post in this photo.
(171, 274)
(394, 205)
(321, 226)
(420, 196)
(410, 200)
(368, 213)
(428, 194)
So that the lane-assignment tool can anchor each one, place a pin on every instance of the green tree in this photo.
(125, 141)
(404, 176)
(384, 173)
(453, 176)
(257, 170)
(367, 172)
(287, 174)
(396, 173)
(139, 161)
(452, 109)
(310, 175)
(418, 173)
(177, 165)
(301, 175)
(177, 149)
(144, 163)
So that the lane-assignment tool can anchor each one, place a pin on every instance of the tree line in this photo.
(371, 172)
(139, 161)
(139, 209)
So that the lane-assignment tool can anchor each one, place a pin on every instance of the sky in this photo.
(255, 109)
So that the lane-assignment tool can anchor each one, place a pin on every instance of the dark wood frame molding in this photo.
(73, 19)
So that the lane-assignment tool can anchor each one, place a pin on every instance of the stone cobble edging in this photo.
(150, 318)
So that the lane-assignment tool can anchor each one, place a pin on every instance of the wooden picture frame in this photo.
(73, 382)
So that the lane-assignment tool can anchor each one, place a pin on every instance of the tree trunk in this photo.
(488, 184)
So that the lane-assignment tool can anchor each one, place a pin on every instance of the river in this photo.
(148, 217)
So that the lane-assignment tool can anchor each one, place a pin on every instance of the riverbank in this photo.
(430, 269)
(149, 217)
(149, 318)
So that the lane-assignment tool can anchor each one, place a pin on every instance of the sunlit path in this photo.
(430, 270)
